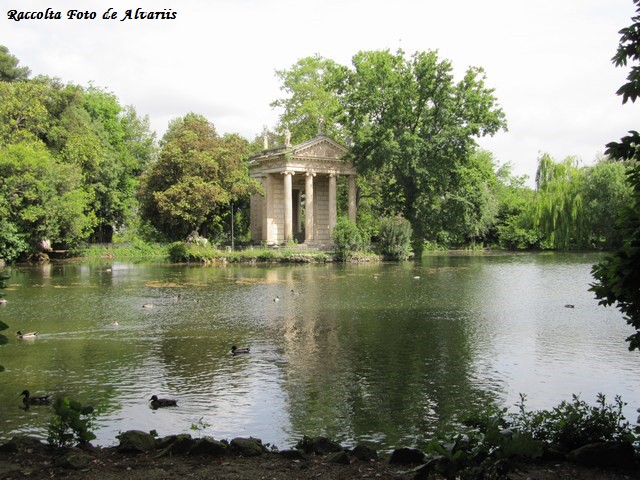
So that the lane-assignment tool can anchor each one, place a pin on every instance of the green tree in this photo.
(468, 211)
(395, 238)
(9, 70)
(197, 176)
(311, 98)
(348, 238)
(558, 203)
(41, 198)
(514, 197)
(127, 145)
(23, 115)
(618, 275)
(605, 192)
(414, 125)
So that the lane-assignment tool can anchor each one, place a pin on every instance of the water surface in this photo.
(382, 353)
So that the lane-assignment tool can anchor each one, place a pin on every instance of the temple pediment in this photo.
(319, 147)
(321, 154)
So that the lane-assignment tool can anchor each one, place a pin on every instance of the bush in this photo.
(348, 238)
(178, 252)
(70, 424)
(395, 238)
(12, 243)
(574, 424)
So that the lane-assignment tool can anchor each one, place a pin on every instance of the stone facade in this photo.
(299, 181)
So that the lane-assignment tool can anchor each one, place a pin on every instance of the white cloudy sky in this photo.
(548, 60)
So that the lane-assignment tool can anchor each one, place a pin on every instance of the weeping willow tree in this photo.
(557, 210)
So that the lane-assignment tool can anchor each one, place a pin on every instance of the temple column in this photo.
(352, 198)
(267, 208)
(333, 210)
(308, 208)
(288, 206)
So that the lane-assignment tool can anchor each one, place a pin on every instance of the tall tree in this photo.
(558, 204)
(197, 176)
(9, 69)
(618, 276)
(414, 124)
(311, 98)
(605, 192)
(40, 198)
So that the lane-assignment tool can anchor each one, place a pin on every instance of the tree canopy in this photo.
(81, 154)
(197, 176)
(412, 123)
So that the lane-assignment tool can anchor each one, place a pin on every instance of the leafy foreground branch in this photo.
(573, 440)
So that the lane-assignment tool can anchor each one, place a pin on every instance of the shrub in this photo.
(178, 252)
(574, 424)
(71, 423)
(348, 238)
(395, 238)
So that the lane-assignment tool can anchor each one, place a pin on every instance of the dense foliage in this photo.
(196, 180)
(70, 158)
(348, 238)
(618, 276)
(395, 238)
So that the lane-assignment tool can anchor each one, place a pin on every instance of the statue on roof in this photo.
(287, 137)
(321, 124)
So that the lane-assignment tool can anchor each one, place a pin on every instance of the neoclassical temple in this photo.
(299, 181)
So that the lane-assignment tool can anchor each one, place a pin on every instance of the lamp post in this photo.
(232, 239)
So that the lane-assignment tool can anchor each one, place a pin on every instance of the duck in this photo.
(3, 301)
(114, 323)
(29, 400)
(147, 305)
(277, 299)
(27, 334)
(162, 402)
(568, 305)
(236, 351)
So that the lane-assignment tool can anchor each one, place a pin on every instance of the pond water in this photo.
(383, 353)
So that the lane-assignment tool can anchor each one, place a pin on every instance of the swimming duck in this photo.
(236, 351)
(277, 299)
(29, 400)
(27, 334)
(162, 402)
(568, 305)
(3, 301)
(147, 305)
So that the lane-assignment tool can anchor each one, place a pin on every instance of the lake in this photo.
(384, 353)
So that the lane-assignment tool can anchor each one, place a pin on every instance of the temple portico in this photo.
(299, 181)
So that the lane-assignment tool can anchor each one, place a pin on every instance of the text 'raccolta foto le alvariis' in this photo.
(110, 14)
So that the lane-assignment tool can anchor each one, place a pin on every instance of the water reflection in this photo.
(374, 352)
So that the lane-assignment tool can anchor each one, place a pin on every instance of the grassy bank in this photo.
(180, 252)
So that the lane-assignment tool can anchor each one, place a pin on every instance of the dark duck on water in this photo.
(162, 402)
(29, 400)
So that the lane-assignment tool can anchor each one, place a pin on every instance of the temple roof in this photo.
(321, 154)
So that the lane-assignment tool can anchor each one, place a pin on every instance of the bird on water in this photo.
(162, 402)
(29, 400)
